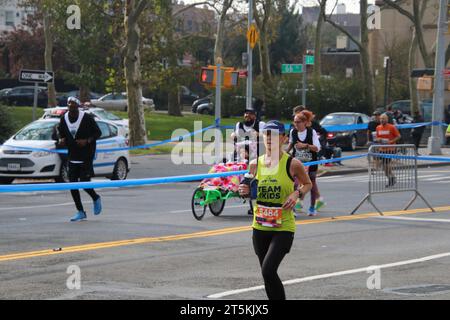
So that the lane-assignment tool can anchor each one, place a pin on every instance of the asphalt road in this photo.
(147, 245)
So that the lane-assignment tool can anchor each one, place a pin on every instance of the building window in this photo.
(9, 18)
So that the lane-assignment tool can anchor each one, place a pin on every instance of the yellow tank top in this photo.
(274, 187)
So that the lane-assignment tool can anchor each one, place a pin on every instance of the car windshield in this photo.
(41, 130)
(333, 120)
(102, 114)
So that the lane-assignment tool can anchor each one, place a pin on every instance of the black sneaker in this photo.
(391, 182)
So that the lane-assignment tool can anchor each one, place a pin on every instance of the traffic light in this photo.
(208, 76)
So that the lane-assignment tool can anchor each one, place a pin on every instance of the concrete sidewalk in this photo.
(360, 164)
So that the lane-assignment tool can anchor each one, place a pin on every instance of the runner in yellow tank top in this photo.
(274, 223)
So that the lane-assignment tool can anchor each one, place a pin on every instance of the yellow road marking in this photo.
(203, 234)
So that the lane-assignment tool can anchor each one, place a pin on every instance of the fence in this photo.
(392, 168)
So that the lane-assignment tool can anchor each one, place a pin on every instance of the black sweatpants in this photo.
(81, 172)
(271, 247)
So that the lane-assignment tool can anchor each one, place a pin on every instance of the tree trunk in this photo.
(264, 57)
(173, 101)
(48, 58)
(412, 81)
(132, 64)
(416, 19)
(427, 58)
(318, 44)
(218, 47)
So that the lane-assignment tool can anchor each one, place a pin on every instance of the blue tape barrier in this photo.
(420, 158)
(113, 184)
(138, 182)
(312, 163)
(364, 126)
(178, 179)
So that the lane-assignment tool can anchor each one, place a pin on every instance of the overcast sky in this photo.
(352, 6)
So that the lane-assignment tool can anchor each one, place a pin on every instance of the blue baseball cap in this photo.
(274, 125)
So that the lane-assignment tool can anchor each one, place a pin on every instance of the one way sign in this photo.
(36, 76)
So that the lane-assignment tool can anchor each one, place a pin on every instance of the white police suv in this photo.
(24, 155)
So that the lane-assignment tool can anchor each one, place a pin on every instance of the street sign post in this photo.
(252, 35)
(309, 60)
(36, 77)
(291, 68)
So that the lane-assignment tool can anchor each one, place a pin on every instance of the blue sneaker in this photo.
(312, 212)
(81, 215)
(98, 206)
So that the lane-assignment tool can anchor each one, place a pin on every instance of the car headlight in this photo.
(41, 154)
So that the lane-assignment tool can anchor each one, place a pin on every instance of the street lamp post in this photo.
(437, 138)
(250, 59)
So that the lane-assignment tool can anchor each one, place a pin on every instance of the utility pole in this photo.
(250, 59)
(386, 78)
(304, 82)
(437, 137)
(218, 111)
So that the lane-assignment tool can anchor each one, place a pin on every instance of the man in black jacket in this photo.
(79, 132)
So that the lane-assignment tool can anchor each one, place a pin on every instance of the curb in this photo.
(362, 170)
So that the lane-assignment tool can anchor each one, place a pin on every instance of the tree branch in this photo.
(400, 9)
(192, 6)
(340, 28)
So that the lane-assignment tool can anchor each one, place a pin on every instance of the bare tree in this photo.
(318, 42)
(416, 19)
(218, 47)
(51, 93)
(412, 62)
(363, 46)
(263, 19)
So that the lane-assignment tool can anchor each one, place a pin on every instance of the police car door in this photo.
(104, 161)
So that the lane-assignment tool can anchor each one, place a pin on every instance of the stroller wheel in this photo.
(217, 207)
(198, 210)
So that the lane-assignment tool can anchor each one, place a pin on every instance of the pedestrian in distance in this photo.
(273, 220)
(387, 134)
(416, 133)
(372, 127)
(79, 132)
(305, 145)
(321, 133)
(246, 134)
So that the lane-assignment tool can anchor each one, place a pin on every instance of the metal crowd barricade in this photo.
(392, 168)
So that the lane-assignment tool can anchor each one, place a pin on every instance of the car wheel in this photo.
(204, 112)
(120, 171)
(63, 173)
(6, 180)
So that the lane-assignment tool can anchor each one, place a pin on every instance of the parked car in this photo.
(350, 139)
(206, 105)
(23, 163)
(98, 113)
(4, 92)
(187, 97)
(201, 101)
(404, 106)
(62, 97)
(24, 96)
(119, 102)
